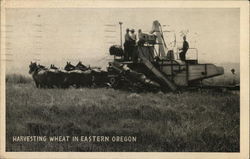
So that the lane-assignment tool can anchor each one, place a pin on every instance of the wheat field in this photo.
(198, 120)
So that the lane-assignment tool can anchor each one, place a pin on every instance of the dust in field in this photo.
(202, 120)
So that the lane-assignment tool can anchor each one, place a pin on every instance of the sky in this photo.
(57, 35)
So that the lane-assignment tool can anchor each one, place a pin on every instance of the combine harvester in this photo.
(157, 65)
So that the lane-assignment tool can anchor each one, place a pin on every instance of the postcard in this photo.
(128, 79)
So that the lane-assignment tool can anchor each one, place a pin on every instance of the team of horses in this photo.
(71, 76)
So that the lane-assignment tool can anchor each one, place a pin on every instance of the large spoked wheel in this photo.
(114, 82)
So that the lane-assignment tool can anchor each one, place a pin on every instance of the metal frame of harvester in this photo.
(160, 68)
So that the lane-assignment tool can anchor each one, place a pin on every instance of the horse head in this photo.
(69, 67)
(53, 67)
(80, 66)
(33, 67)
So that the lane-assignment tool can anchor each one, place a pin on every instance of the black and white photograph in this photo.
(106, 78)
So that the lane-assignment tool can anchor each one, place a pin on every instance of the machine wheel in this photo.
(113, 82)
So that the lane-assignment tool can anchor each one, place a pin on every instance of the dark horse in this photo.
(78, 76)
(39, 74)
(69, 67)
(100, 77)
(47, 78)
(81, 67)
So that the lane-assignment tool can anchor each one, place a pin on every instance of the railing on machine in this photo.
(191, 56)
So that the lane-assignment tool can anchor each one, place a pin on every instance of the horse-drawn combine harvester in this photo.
(155, 66)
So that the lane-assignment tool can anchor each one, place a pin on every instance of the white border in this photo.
(244, 69)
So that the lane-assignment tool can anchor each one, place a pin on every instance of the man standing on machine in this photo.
(127, 46)
(184, 49)
(133, 43)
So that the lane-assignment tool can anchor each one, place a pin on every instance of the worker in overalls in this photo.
(126, 45)
(132, 52)
(184, 49)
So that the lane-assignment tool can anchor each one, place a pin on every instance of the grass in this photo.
(188, 121)
(17, 78)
